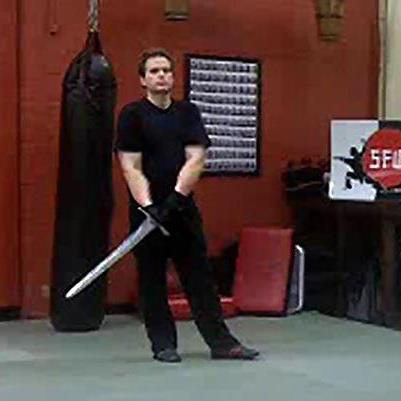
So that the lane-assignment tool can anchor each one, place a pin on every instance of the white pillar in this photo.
(390, 77)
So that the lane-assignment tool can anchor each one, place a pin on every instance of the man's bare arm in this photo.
(192, 169)
(131, 165)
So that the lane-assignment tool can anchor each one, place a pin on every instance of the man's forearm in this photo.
(189, 176)
(138, 186)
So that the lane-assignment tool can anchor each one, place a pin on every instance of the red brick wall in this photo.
(9, 211)
(305, 83)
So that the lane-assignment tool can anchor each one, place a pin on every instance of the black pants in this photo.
(186, 246)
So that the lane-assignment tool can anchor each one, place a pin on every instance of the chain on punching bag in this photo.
(84, 188)
(93, 18)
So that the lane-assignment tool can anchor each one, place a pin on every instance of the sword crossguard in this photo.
(154, 221)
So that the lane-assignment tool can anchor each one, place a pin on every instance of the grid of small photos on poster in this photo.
(226, 92)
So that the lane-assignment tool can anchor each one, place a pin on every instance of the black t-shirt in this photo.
(160, 135)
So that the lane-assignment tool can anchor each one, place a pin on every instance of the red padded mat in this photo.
(262, 270)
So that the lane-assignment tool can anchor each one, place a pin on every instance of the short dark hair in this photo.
(151, 53)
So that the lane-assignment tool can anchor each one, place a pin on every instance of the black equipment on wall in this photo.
(84, 189)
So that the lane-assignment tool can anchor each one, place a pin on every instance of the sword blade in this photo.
(129, 243)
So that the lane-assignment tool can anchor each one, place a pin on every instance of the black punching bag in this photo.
(84, 189)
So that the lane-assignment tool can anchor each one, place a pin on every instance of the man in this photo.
(161, 147)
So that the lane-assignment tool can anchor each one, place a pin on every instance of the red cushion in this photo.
(262, 270)
(181, 311)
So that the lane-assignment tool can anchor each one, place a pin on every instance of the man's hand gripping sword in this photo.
(148, 225)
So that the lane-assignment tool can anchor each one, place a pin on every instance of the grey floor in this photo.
(306, 357)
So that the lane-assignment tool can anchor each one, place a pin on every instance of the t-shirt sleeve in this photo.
(129, 135)
(195, 130)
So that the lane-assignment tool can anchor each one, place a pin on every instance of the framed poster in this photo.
(227, 93)
(365, 160)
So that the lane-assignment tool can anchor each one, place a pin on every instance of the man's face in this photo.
(159, 76)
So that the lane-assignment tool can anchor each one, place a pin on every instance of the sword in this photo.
(148, 225)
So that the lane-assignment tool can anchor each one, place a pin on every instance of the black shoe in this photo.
(167, 355)
(235, 352)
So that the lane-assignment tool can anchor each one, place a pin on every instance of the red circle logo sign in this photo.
(381, 158)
